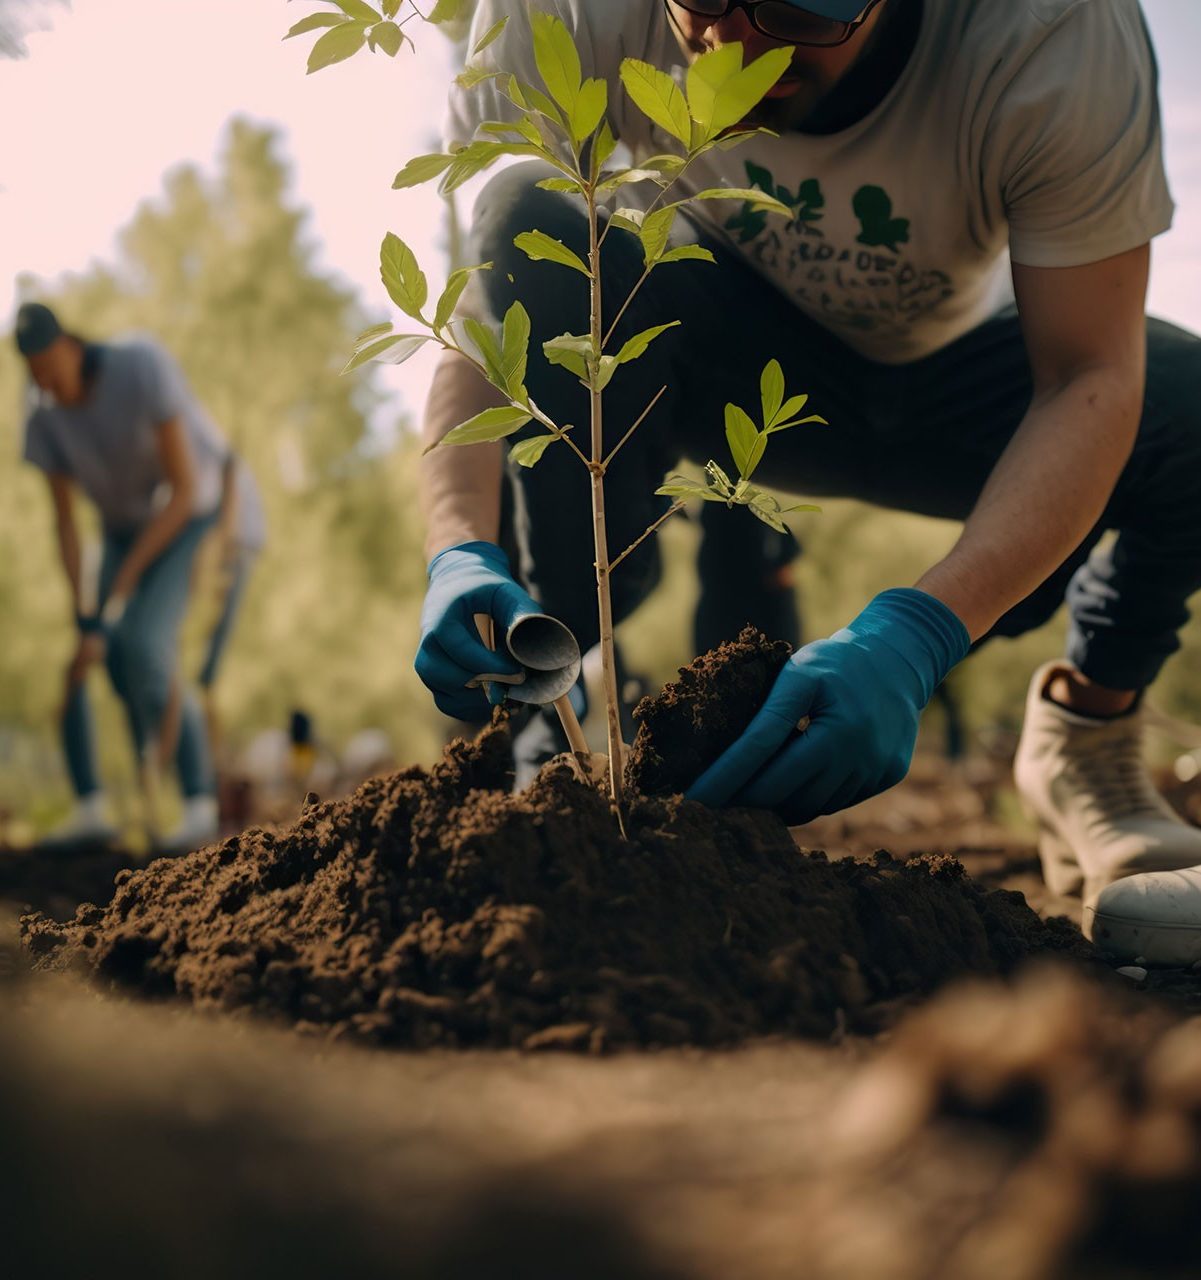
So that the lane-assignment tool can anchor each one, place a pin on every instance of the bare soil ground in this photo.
(1041, 1121)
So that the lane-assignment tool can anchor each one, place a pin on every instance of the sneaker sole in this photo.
(1158, 942)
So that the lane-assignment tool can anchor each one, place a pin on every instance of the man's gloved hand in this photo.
(471, 578)
(863, 691)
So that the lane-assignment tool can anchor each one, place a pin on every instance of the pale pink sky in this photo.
(121, 90)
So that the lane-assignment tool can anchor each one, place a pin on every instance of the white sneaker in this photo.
(199, 826)
(86, 825)
(1099, 816)
(1154, 918)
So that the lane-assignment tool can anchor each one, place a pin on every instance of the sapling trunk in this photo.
(600, 532)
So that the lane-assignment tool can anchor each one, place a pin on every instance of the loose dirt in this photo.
(436, 908)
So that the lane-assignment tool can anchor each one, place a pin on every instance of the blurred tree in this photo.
(220, 270)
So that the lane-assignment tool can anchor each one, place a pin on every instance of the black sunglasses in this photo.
(782, 21)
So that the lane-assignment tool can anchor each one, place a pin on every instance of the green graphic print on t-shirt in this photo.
(850, 286)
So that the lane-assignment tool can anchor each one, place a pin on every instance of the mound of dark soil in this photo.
(1052, 1129)
(437, 908)
(686, 727)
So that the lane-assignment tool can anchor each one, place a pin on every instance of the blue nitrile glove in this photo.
(471, 578)
(863, 690)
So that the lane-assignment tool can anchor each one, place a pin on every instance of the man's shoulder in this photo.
(1030, 22)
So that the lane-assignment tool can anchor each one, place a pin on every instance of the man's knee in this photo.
(142, 670)
(512, 202)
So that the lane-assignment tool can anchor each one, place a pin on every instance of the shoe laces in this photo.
(1113, 771)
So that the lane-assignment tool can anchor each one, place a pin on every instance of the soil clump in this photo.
(1049, 1129)
(437, 908)
(684, 729)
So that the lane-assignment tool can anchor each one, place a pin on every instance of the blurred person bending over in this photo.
(961, 291)
(118, 422)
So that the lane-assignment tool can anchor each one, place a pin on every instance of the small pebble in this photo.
(1134, 972)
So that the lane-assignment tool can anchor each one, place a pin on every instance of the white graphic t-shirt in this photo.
(1027, 126)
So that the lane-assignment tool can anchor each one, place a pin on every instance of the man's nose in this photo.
(736, 28)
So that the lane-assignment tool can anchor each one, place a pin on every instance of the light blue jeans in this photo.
(142, 662)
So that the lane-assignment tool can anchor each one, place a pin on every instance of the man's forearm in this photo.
(68, 549)
(1044, 496)
(460, 487)
(154, 539)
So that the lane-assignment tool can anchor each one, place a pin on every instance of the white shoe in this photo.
(1154, 918)
(199, 826)
(1100, 818)
(86, 825)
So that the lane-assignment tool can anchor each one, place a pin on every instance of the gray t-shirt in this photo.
(108, 444)
(1030, 126)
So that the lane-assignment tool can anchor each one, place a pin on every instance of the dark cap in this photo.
(37, 328)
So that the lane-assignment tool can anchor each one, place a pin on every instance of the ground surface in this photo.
(857, 1113)
(147, 1138)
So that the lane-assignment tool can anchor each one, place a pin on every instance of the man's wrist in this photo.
(112, 612)
(87, 624)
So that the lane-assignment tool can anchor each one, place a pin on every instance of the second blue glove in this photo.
(863, 691)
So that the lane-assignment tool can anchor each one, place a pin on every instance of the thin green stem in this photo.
(641, 419)
(662, 520)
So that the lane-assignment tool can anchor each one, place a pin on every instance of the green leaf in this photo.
(538, 246)
(682, 487)
(491, 34)
(453, 292)
(391, 7)
(557, 58)
(771, 391)
(570, 351)
(739, 94)
(487, 427)
(525, 128)
(719, 478)
(665, 164)
(767, 509)
(741, 436)
(638, 344)
(627, 176)
(589, 109)
(373, 334)
(489, 349)
(338, 44)
(359, 10)
(569, 185)
(707, 76)
(791, 407)
(606, 368)
(804, 506)
(529, 452)
(686, 251)
(403, 278)
(314, 22)
(656, 227)
(422, 169)
(797, 422)
(750, 195)
(472, 76)
(628, 220)
(395, 349)
(658, 97)
(604, 147)
(538, 101)
(447, 11)
(515, 346)
(389, 37)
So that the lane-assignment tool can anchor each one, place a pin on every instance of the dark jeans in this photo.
(921, 437)
(142, 661)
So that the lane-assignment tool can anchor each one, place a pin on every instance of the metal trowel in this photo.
(550, 659)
